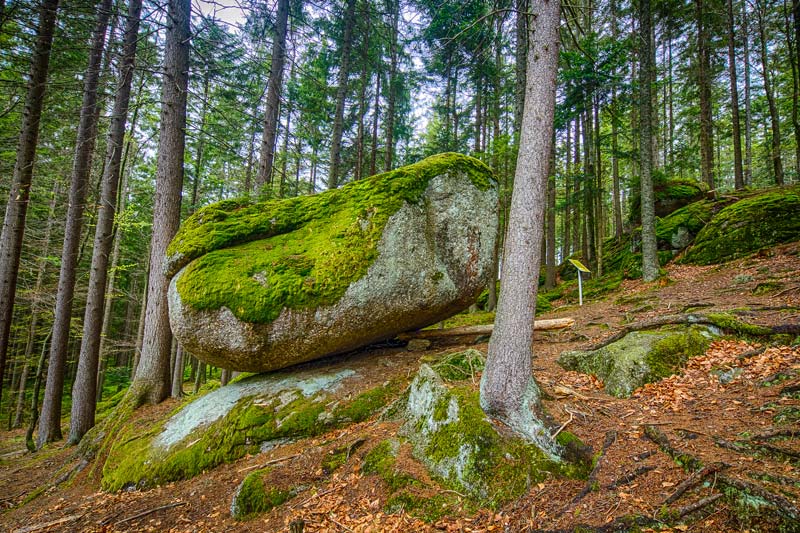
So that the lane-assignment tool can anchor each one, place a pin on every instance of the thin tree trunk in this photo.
(508, 389)
(50, 426)
(201, 143)
(177, 373)
(265, 171)
(17, 206)
(704, 85)
(41, 267)
(777, 163)
(794, 60)
(373, 162)
(649, 250)
(152, 380)
(84, 392)
(748, 113)
(520, 60)
(394, 13)
(362, 101)
(738, 175)
(341, 95)
(566, 250)
(37, 384)
(550, 247)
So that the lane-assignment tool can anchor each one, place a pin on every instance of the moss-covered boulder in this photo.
(263, 286)
(752, 223)
(255, 494)
(640, 357)
(460, 447)
(243, 417)
(669, 196)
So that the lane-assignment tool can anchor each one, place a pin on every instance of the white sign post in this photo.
(581, 268)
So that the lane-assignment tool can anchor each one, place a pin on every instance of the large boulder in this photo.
(263, 286)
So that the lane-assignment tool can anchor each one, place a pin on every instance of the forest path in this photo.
(746, 428)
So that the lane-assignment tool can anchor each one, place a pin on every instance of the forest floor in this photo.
(744, 430)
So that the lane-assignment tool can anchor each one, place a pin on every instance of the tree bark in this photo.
(152, 380)
(777, 163)
(738, 174)
(265, 171)
(17, 206)
(508, 390)
(704, 85)
(84, 391)
(341, 95)
(50, 425)
(177, 373)
(550, 247)
(394, 13)
(646, 75)
(41, 266)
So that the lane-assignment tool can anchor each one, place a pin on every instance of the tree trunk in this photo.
(373, 161)
(265, 171)
(84, 391)
(152, 380)
(646, 74)
(17, 206)
(508, 390)
(777, 163)
(550, 247)
(394, 13)
(341, 95)
(50, 426)
(748, 113)
(358, 173)
(704, 86)
(41, 266)
(796, 82)
(177, 373)
(520, 61)
(738, 174)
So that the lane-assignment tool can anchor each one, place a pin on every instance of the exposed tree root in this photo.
(630, 477)
(611, 437)
(699, 504)
(694, 479)
(682, 458)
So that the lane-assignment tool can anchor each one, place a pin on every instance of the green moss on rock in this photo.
(748, 225)
(381, 460)
(640, 357)
(451, 435)
(138, 459)
(256, 259)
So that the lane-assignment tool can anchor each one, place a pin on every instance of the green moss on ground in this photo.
(460, 365)
(748, 225)
(381, 460)
(254, 496)
(733, 325)
(134, 460)
(427, 508)
(256, 259)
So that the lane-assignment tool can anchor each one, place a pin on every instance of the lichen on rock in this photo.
(232, 421)
(261, 287)
(640, 357)
(451, 436)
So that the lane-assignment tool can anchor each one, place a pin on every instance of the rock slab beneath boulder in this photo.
(265, 286)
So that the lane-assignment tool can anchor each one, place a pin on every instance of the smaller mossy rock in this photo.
(678, 230)
(381, 460)
(748, 225)
(669, 196)
(264, 286)
(451, 436)
(254, 495)
(640, 357)
(240, 418)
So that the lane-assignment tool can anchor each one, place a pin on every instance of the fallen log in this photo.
(486, 329)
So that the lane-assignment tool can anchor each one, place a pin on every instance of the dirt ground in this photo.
(735, 409)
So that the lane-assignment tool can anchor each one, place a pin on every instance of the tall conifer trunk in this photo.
(152, 380)
(341, 95)
(50, 424)
(17, 206)
(84, 391)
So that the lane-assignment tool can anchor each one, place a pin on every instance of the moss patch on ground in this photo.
(752, 223)
(256, 259)
(255, 496)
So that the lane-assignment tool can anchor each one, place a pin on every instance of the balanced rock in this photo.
(261, 286)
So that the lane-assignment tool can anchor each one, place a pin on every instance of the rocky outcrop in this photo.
(640, 357)
(264, 286)
(254, 414)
